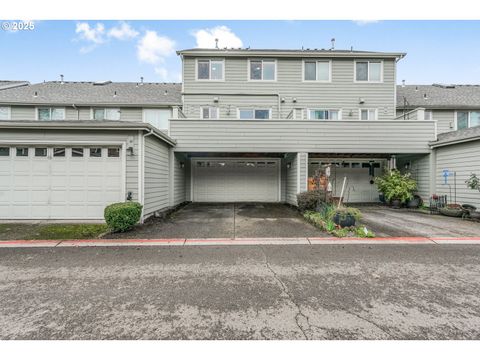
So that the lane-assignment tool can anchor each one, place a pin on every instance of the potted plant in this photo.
(345, 216)
(397, 188)
(454, 210)
(414, 202)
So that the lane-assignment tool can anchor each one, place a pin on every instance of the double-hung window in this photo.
(50, 113)
(322, 114)
(467, 119)
(317, 70)
(246, 114)
(209, 112)
(106, 114)
(4, 113)
(368, 71)
(368, 114)
(263, 70)
(210, 69)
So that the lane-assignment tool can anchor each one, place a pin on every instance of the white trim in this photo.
(50, 107)
(60, 142)
(209, 107)
(468, 119)
(262, 60)
(253, 109)
(368, 74)
(210, 69)
(140, 174)
(367, 109)
(324, 109)
(124, 170)
(9, 112)
(298, 173)
(105, 108)
(329, 61)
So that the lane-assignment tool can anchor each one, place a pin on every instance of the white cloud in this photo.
(91, 34)
(226, 37)
(123, 32)
(153, 48)
(365, 22)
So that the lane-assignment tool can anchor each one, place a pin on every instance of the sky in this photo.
(437, 51)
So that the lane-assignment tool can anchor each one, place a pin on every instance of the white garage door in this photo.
(236, 180)
(59, 182)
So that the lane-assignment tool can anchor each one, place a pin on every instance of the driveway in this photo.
(230, 220)
(385, 222)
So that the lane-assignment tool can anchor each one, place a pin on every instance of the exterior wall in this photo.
(420, 170)
(188, 180)
(445, 119)
(156, 175)
(68, 137)
(179, 180)
(302, 136)
(22, 112)
(462, 158)
(296, 176)
(341, 93)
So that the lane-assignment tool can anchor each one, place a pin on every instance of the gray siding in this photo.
(22, 112)
(464, 159)
(420, 171)
(156, 177)
(67, 137)
(291, 186)
(342, 93)
(445, 119)
(179, 180)
(302, 136)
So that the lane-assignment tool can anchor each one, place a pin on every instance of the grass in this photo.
(14, 231)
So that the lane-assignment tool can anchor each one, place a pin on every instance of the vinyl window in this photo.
(467, 119)
(4, 151)
(368, 114)
(106, 114)
(209, 112)
(50, 113)
(22, 151)
(368, 71)
(210, 69)
(321, 114)
(317, 71)
(4, 113)
(263, 70)
(246, 114)
(428, 115)
(40, 152)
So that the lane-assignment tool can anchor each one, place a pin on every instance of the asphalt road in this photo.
(241, 292)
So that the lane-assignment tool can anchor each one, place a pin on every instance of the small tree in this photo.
(473, 182)
(396, 186)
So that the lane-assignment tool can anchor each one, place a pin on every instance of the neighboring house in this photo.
(8, 84)
(67, 149)
(456, 111)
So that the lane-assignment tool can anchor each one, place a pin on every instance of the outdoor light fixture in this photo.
(282, 99)
(361, 101)
(215, 99)
(294, 100)
(289, 165)
(182, 165)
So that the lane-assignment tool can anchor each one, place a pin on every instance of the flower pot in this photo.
(396, 204)
(475, 215)
(344, 220)
(453, 212)
(381, 197)
(413, 203)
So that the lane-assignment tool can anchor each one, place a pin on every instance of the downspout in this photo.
(142, 170)
(78, 111)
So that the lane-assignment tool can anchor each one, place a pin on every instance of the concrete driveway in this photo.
(227, 220)
(386, 222)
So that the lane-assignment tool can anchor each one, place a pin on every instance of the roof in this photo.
(7, 84)
(438, 96)
(290, 53)
(91, 93)
(87, 125)
(458, 136)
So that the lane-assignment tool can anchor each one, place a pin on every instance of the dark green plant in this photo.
(473, 182)
(308, 200)
(121, 217)
(396, 186)
(344, 212)
(330, 226)
(363, 232)
(342, 232)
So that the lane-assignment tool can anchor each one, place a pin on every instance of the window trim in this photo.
(50, 107)
(262, 60)
(93, 108)
(468, 119)
(254, 109)
(368, 81)
(209, 112)
(324, 109)
(368, 109)
(9, 112)
(222, 60)
(329, 61)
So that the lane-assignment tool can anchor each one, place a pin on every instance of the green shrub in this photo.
(473, 182)
(363, 232)
(342, 232)
(308, 200)
(396, 186)
(121, 217)
(344, 211)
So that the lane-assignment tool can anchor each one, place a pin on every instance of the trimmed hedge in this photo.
(308, 200)
(121, 217)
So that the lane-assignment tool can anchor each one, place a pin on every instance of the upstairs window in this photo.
(428, 115)
(316, 71)
(209, 112)
(210, 70)
(467, 119)
(368, 71)
(4, 113)
(49, 113)
(263, 70)
(320, 114)
(246, 114)
(106, 114)
(157, 117)
(368, 114)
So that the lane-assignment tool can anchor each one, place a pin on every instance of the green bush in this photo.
(123, 216)
(473, 182)
(396, 186)
(308, 200)
(344, 211)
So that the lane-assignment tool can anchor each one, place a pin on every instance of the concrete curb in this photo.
(238, 241)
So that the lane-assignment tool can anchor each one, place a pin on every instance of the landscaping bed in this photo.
(23, 231)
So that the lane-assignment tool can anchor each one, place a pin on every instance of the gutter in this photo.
(453, 142)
